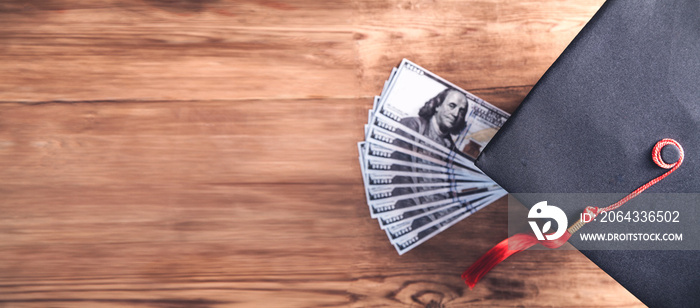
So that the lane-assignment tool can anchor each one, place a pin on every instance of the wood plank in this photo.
(219, 142)
(474, 44)
(167, 50)
(190, 50)
(262, 244)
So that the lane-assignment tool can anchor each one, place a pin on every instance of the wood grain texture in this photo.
(202, 153)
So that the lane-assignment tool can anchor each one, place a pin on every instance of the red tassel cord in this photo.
(502, 251)
(521, 241)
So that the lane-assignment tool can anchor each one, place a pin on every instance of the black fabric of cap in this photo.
(628, 80)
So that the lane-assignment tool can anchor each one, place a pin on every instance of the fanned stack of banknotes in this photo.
(417, 160)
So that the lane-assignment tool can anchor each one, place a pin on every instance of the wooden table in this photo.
(182, 153)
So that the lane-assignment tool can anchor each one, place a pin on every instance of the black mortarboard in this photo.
(629, 79)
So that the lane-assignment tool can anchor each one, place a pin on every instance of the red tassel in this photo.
(502, 251)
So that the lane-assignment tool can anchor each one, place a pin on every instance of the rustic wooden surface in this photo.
(182, 153)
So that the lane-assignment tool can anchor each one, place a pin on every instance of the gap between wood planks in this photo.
(311, 99)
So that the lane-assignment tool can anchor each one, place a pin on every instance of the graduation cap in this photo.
(629, 79)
